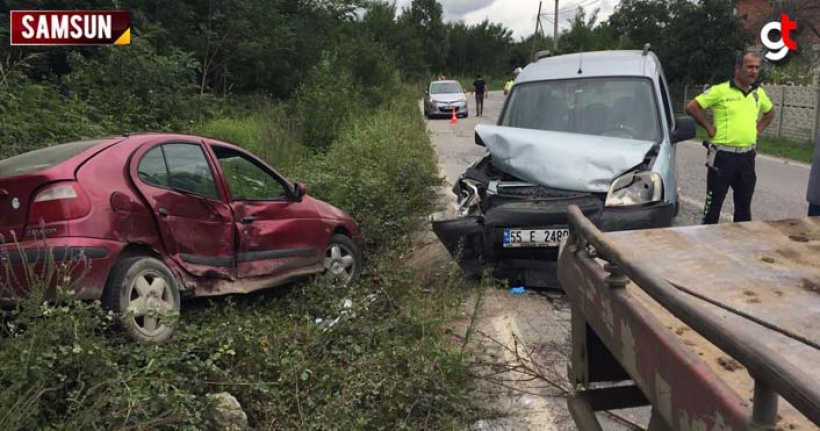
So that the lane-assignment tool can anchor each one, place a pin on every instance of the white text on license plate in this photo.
(534, 237)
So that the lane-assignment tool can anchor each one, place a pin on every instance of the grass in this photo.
(778, 147)
(387, 364)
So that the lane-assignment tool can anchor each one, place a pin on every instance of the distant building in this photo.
(759, 12)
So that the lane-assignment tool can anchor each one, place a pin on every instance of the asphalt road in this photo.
(781, 184)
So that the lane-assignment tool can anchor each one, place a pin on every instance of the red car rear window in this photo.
(45, 158)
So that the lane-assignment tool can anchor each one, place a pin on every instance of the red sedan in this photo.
(160, 215)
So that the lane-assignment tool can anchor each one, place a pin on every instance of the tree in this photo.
(479, 48)
(637, 22)
(583, 35)
(401, 41)
(424, 19)
(701, 41)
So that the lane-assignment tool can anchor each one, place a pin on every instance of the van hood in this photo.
(561, 160)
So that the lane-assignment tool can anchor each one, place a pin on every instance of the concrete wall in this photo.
(797, 110)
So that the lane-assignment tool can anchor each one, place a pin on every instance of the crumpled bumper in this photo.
(476, 242)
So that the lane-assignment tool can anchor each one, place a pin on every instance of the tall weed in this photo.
(268, 133)
(381, 170)
(325, 101)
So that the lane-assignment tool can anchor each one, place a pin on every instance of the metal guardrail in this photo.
(771, 372)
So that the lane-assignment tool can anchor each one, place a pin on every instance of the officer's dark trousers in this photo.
(735, 170)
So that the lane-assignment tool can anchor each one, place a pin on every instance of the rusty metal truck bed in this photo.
(688, 313)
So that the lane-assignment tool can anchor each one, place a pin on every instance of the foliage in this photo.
(584, 34)
(474, 49)
(325, 100)
(134, 87)
(384, 364)
(695, 40)
(36, 114)
(266, 132)
(424, 19)
(803, 69)
(380, 171)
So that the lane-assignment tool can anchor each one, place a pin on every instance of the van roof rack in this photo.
(542, 54)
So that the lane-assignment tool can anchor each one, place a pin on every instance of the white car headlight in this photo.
(635, 188)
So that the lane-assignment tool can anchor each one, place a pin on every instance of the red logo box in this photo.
(70, 27)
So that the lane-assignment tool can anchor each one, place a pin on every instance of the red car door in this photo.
(276, 235)
(195, 221)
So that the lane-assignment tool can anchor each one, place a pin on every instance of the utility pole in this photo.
(535, 35)
(555, 30)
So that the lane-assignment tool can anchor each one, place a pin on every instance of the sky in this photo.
(518, 15)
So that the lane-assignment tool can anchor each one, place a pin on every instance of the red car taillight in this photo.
(62, 201)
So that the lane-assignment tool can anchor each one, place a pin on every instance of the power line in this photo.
(585, 3)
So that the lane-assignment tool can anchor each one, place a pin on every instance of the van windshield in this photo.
(610, 106)
(44, 158)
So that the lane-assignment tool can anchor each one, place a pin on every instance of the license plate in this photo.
(534, 237)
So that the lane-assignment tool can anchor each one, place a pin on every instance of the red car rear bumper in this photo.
(81, 263)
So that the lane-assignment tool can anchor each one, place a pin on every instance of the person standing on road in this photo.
(480, 88)
(735, 105)
(509, 84)
(813, 190)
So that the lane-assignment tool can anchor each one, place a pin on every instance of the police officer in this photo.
(509, 84)
(736, 105)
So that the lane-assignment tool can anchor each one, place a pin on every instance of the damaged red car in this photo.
(157, 217)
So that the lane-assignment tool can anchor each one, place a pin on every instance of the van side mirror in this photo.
(684, 129)
(478, 141)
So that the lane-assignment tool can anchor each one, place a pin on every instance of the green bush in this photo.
(379, 362)
(327, 98)
(135, 88)
(63, 368)
(36, 115)
(267, 132)
(374, 71)
(382, 171)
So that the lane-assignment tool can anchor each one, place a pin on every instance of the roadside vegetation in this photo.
(305, 357)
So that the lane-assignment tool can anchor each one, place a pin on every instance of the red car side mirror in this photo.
(299, 191)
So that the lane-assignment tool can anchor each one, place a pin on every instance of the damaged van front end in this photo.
(595, 130)
(511, 204)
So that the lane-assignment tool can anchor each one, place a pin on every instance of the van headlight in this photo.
(635, 188)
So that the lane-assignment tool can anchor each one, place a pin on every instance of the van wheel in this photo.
(144, 293)
(343, 261)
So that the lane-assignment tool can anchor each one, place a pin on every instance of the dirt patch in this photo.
(509, 345)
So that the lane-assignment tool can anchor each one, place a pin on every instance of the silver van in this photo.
(594, 129)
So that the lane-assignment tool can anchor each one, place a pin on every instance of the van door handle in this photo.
(163, 212)
(247, 219)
